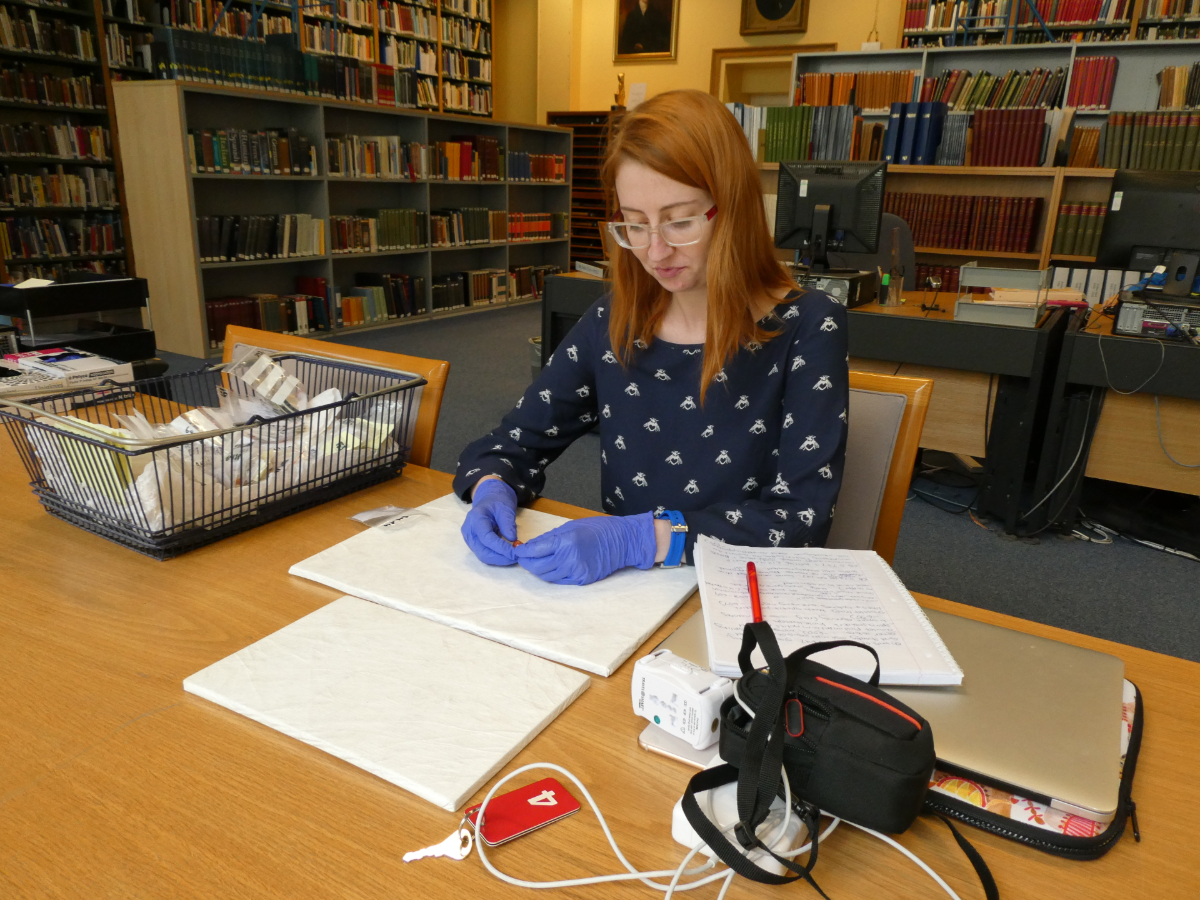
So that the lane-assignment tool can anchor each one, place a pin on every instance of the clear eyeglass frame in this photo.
(675, 233)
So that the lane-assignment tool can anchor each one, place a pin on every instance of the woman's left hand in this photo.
(585, 550)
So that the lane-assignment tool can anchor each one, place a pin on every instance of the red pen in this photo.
(752, 584)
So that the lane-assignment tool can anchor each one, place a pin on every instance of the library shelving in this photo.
(60, 209)
(935, 23)
(1135, 88)
(165, 198)
(589, 141)
(443, 49)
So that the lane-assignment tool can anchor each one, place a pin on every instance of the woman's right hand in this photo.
(491, 524)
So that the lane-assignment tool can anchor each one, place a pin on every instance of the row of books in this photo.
(380, 229)
(91, 187)
(468, 158)
(962, 90)
(482, 287)
(537, 226)
(470, 225)
(466, 35)
(238, 151)
(868, 90)
(475, 9)
(933, 15)
(376, 298)
(376, 156)
(240, 23)
(810, 132)
(21, 29)
(1087, 12)
(1009, 137)
(1092, 80)
(128, 50)
(356, 12)
(26, 86)
(1170, 9)
(323, 37)
(1150, 140)
(964, 222)
(914, 131)
(67, 142)
(470, 98)
(1097, 285)
(1085, 148)
(406, 54)
(455, 64)
(1179, 86)
(551, 167)
(287, 314)
(58, 271)
(823, 88)
(25, 237)
(529, 282)
(246, 237)
(753, 120)
(401, 18)
(1077, 230)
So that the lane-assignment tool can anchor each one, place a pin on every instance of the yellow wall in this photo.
(556, 42)
(703, 26)
(514, 60)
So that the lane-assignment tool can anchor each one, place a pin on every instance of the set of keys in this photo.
(456, 846)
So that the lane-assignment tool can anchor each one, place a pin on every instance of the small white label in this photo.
(803, 187)
(1117, 197)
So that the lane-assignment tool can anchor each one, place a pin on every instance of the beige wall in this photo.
(703, 26)
(514, 60)
(556, 42)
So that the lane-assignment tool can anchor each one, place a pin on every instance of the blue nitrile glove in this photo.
(586, 550)
(491, 523)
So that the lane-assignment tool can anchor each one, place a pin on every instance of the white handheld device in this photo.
(680, 697)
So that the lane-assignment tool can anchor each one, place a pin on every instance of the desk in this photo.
(115, 783)
(1117, 431)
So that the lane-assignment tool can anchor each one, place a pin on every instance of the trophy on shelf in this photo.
(619, 96)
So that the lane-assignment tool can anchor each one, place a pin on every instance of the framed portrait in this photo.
(774, 16)
(645, 30)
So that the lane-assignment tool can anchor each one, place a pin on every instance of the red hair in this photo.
(691, 138)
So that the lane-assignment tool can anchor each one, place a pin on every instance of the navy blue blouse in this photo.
(759, 464)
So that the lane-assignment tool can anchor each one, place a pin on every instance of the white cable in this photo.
(1087, 415)
(920, 862)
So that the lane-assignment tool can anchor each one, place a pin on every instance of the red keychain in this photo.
(526, 809)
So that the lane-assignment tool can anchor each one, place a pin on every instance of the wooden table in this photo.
(115, 783)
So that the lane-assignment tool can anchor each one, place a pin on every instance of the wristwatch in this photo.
(679, 529)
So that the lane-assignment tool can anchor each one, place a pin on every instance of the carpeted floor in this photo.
(1120, 591)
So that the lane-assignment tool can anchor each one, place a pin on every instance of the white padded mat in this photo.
(427, 569)
(431, 709)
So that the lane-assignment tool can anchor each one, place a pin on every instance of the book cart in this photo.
(165, 198)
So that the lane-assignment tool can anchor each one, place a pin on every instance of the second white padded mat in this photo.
(428, 569)
(431, 709)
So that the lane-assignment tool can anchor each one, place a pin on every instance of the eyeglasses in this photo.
(676, 233)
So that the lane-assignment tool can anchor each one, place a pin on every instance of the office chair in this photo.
(867, 262)
(886, 415)
(429, 396)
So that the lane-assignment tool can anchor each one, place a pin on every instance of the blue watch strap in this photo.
(679, 529)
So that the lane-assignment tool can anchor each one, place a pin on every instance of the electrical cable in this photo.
(1103, 362)
(1162, 443)
(987, 414)
(1087, 415)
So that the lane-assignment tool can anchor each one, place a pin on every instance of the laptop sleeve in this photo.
(971, 798)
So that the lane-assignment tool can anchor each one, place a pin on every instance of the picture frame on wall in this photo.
(774, 16)
(645, 30)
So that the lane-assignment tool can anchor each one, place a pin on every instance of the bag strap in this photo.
(981, 867)
(708, 832)
(810, 649)
(762, 760)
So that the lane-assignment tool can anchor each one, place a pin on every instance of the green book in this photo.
(1072, 229)
(1158, 143)
(1060, 230)
(1191, 141)
(770, 151)
(1086, 234)
(1178, 126)
(1126, 139)
(1108, 157)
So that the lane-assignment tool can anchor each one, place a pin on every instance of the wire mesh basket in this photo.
(166, 495)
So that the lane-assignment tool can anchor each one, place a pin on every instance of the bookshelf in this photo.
(936, 23)
(589, 141)
(443, 46)
(1135, 88)
(165, 198)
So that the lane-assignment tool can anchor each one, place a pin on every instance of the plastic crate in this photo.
(168, 495)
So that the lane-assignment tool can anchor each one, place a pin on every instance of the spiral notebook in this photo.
(811, 595)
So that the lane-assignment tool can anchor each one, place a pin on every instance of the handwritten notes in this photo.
(814, 595)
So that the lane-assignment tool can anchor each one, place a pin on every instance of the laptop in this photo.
(1037, 717)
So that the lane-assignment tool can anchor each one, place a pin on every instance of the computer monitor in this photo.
(1153, 220)
(823, 206)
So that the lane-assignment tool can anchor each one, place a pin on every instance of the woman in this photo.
(720, 390)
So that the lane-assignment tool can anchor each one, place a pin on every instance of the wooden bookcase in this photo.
(1135, 89)
(164, 198)
(589, 141)
(1136, 25)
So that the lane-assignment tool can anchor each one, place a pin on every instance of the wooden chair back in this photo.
(434, 371)
(916, 392)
